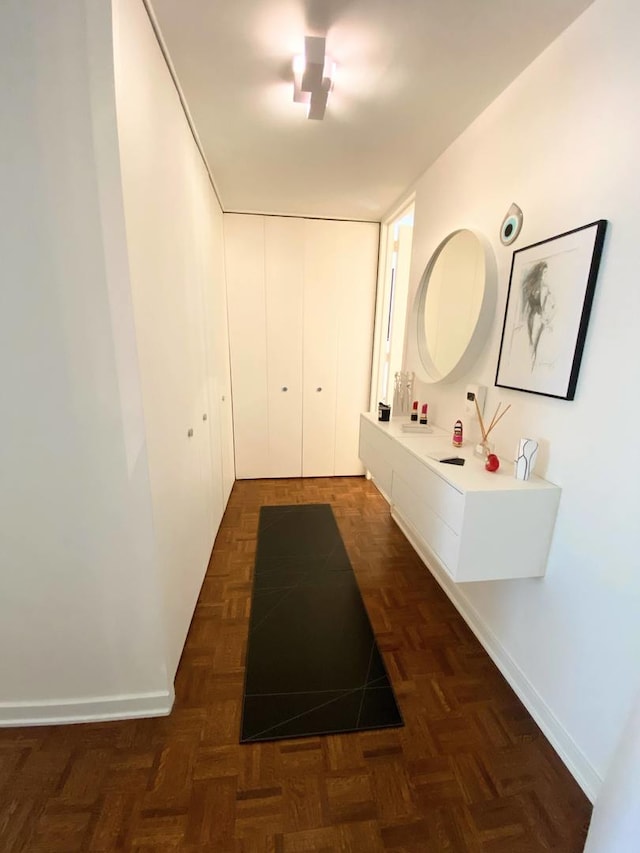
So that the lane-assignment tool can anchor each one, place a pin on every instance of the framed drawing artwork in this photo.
(551, 289)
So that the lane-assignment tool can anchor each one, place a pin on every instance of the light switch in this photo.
(475, 392)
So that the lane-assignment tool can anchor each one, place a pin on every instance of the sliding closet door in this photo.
(205, 486)
(208, 418)
(357, 251)
(161, 170)
(341, 260)
(221, 389)
(284, 272)
(301, 300)
(320, 358)
(244, 250)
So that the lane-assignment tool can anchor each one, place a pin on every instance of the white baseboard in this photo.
(103, 708)
(575, 761)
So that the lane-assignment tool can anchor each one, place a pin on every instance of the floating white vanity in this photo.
(476, 525)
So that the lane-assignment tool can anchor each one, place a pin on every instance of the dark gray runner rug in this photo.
(313, 665)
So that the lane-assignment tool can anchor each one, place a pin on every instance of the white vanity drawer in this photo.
(443, 541)
(441, 497)
(376, 439)
(378, 466)
(375, 451)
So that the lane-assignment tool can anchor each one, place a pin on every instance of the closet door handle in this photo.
(204, 417)
(190, 433)
(318, 388)
(284, 388)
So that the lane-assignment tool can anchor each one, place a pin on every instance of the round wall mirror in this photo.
(454, 305)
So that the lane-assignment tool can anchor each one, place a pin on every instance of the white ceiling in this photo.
(411, 75)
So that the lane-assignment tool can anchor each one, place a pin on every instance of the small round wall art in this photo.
(511, 225)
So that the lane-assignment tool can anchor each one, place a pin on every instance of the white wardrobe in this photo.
(174, 231)
(301, 302)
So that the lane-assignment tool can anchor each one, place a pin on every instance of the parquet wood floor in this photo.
(469, 773)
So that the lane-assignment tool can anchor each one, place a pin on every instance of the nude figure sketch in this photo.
(537, 306)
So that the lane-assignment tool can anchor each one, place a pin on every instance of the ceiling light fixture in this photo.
(313, 75)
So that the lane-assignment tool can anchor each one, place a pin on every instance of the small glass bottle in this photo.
(483, 448)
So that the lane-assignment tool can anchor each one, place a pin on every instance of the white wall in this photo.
(615, 825)
(80, 624)
(562, 142)
(174, 226)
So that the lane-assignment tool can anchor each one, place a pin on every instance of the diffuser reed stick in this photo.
(495, 415)
(482, 430)
(495, 420)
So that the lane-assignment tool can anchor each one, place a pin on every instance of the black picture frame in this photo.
(551, 288)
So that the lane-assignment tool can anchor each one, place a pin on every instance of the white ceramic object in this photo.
(525, 460)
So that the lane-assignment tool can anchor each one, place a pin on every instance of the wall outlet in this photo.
(475, 392)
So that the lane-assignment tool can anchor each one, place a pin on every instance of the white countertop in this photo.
(470, 477)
